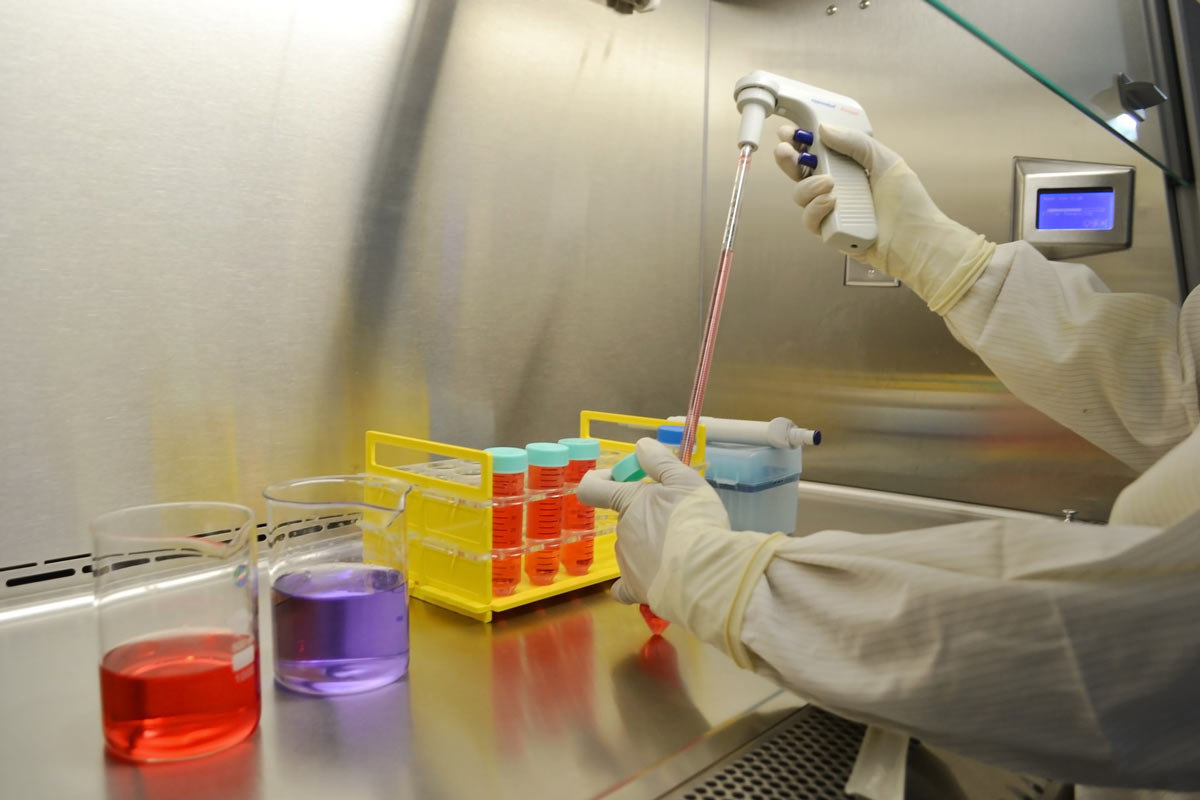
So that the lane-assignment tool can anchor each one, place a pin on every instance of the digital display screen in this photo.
(1076, 209)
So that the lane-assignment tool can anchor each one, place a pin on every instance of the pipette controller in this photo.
(851, 226)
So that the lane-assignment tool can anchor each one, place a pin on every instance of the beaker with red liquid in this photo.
(177, 604)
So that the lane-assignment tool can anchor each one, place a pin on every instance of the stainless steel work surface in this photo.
(567, 700)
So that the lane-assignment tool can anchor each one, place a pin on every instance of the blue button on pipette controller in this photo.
(802, 136)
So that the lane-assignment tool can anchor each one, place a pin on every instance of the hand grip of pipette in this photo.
(851, 226)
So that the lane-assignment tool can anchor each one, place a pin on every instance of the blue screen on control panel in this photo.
(1076, 209)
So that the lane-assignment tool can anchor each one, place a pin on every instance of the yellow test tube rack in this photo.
(449, 517)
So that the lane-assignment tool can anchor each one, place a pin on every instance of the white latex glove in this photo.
(645, 509)
(918, 244)
(676, 550)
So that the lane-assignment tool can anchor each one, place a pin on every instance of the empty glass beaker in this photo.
(339, 593)
(177, 602)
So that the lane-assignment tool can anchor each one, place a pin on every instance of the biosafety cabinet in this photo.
(234, 237)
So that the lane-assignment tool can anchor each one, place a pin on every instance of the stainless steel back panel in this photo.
(233, 236)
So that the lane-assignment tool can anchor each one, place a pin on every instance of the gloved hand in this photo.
(676, 549)
(645, 509)
(918, 244)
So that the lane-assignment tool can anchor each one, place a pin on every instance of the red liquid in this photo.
(577, 556)
(655, 623)
(179, 696)
(545, 522)
(506, 532)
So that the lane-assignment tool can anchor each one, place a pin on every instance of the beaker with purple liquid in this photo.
(339, 594)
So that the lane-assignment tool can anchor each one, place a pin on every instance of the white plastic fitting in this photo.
(780, 432)
(756, 104)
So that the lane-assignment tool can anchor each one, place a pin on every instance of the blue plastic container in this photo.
(757, 485)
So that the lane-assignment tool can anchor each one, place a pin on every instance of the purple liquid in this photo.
(340, 628)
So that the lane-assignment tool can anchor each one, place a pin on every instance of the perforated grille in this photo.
(808, 755)
(31, 579)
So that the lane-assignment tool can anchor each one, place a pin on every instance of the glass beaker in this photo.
(177, 603)
(339, 592)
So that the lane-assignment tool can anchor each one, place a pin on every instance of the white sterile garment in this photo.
(1064, 651)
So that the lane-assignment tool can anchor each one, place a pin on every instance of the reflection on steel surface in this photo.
(960, 437)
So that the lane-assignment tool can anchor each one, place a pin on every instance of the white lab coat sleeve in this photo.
(1119, 369)
(1069, 651)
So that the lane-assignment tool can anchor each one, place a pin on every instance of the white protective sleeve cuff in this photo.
(708, 572)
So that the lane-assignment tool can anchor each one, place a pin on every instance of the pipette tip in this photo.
(656, 623)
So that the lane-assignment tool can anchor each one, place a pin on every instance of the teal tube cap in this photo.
(508, 460)
(546, 454)
(628, 469)
(581, 449)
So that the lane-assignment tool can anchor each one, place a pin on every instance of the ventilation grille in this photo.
(21, 581)
(54, 574)
(808, 755)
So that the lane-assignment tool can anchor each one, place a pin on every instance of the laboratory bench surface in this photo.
(570, 699)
